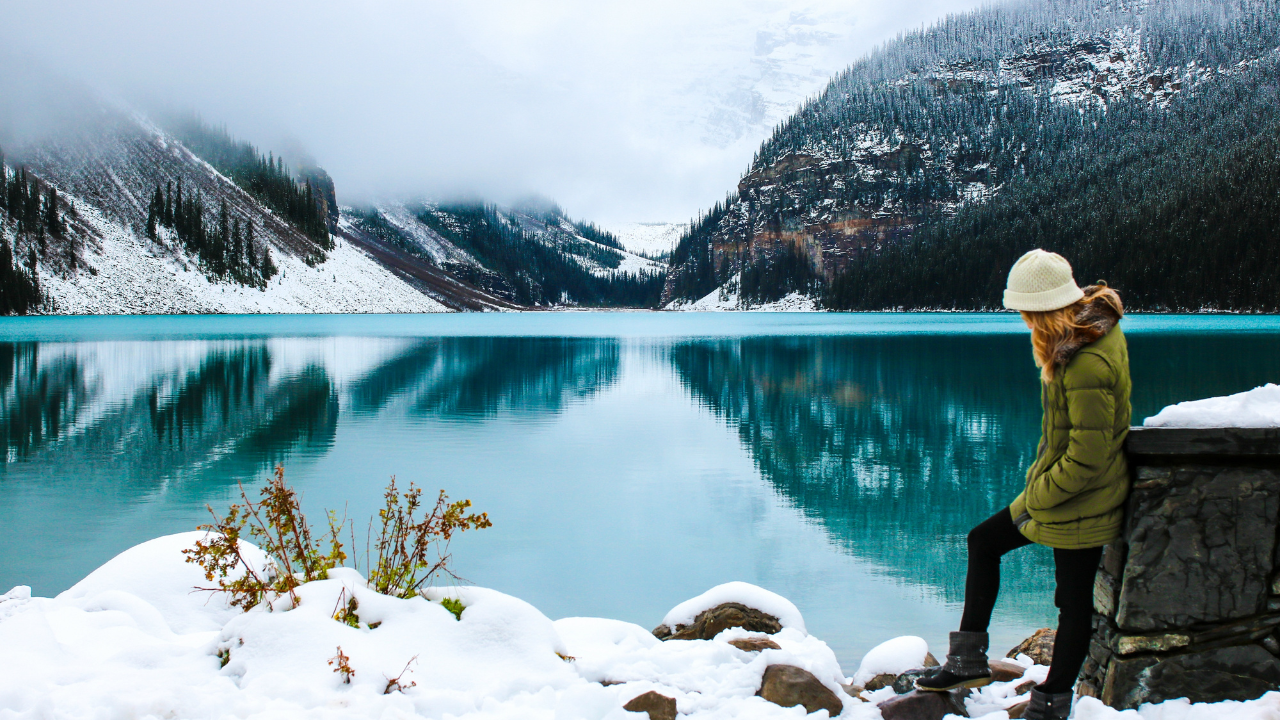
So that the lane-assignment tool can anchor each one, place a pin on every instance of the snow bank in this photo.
(892, 656)
(1259, 407)
(726, 298)
(132, 578)
(132, 641)
(747, 594)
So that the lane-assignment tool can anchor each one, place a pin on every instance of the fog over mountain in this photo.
(619, 111)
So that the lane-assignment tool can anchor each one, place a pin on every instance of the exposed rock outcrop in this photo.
(788, 686)
(754, 644)
(712, 622)
(657, 705)
(917, 705)
(1038, 647)
(1187, 603)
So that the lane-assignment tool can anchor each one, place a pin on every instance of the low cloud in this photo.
(619, 111)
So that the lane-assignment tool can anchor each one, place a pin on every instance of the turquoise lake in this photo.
(628, 460)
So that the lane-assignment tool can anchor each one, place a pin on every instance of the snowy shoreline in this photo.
(133, 640)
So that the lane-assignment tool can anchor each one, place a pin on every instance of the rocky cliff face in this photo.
(940, 121)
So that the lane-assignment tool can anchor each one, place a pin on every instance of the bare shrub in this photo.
(277, 525)
(342, 665)
(411, 548)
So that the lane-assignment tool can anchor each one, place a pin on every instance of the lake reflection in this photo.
(625, 469)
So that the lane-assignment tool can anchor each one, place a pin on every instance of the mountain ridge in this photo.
(930, 129)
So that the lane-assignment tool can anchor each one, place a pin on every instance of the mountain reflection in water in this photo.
(898, 445)
(624, 473)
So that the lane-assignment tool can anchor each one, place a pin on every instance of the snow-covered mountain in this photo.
(103, 260)
(529, 254)
(1012, 102)
(653, 240)
(141, 223)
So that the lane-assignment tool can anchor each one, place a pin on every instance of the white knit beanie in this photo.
(1041, 281)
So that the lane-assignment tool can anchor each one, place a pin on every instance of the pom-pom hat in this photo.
(1041, 281)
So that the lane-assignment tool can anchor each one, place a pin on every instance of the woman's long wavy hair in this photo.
(1052, 330)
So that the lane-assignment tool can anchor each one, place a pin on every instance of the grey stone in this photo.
(1238, 632)
(788, 686)
(1271, 645)
(1130, 644)
(1224, 442)
(1241, 672)
(1199, 548)
(710, 623)
(1106, 592)
(657, 705)
(906, 682)
(1113, 559)
(917, 705)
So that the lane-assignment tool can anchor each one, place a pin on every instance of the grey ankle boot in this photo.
(1048, 706)
(966, 665)
(968, 655)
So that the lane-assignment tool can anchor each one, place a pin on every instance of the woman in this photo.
(1075, 492)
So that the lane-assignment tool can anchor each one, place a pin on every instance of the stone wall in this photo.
(1188, 600)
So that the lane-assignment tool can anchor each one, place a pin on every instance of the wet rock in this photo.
(710, 623)
(906, 682)
(659, 707)
(930, 661)
(882, 680)
(754, 644)
(1038, 647)
(917, 705)
(1241, 672)
(788, 686)
(1005, 671)
(1200, 546)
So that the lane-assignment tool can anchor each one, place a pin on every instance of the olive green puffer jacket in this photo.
(1078, 484)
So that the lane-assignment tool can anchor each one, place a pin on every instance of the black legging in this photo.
(1074, 572)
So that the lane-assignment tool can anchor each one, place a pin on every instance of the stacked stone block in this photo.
(1188, 600)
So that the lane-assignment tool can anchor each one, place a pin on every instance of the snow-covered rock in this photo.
(893, 657)
(1259, 407)
(132, 641)
(752, 596)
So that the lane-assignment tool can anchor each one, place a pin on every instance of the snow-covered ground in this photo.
(132, 640)
(726, 299)
(130, 278)
(1259, 407)
(647, 238)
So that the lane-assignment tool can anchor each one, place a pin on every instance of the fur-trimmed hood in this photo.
(1097, 318)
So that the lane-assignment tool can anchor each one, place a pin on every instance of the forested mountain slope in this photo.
(116, 214)
(1139, 139)
(145, 225)
(530, 254)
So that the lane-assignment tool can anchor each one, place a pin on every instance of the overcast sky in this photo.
(620, 111)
